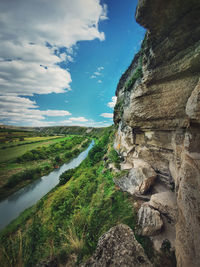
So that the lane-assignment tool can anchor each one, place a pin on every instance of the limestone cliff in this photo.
(158, 119)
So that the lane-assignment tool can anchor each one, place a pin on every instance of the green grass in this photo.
(11, 153)
(38, 162)
(136, 75)
(26, 141)
(67, 223)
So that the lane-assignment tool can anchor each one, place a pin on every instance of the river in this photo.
(11, 207)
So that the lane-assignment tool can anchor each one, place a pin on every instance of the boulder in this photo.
(149, 220)
(139, 180)
(118, 247)
(165, 203)
(126, 166)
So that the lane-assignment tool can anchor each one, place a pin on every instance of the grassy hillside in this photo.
(8, 131)
(65, 225)
(24, 151)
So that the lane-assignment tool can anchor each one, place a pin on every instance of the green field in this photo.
(8, 135)
(26, 141)
(42, 154)
(11, 153)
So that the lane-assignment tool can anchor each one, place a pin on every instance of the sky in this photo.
(60, 61)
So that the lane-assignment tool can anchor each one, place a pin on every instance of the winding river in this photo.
(11, 207)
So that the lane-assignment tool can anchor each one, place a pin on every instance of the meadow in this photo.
(21, 164)
(17, 148)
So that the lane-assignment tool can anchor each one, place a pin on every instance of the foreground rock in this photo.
(118, 247)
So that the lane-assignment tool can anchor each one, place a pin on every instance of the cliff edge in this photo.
(158, 120)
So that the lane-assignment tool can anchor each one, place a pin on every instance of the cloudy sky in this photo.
(60, 61)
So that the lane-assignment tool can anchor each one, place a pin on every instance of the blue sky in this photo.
(60, 64)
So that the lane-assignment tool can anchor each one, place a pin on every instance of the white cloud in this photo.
(69, 58)
(23, 111)
(15, 102)
(107, 115)
(26, 77)
(100, 68)
(61, 22)
(14, 109)
(99, 81)
(97, 73)
(54, 113)
(30, 34)
(113, 102)
(81, 119)
(89, 123)
(27, 64)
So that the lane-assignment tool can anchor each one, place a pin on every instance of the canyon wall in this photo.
(157, 116)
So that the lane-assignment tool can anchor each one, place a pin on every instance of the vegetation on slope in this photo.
(38, 162)
(65, 225)
(10, 151)
(72, 130)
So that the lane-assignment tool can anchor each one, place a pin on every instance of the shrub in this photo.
(47, 167)
(68, 155)
(57, 159)
(20, 177)
(138, 74)
(114, 157)
(66, 176)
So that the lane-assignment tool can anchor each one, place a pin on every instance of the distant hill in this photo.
(70, 130)
(56, 130)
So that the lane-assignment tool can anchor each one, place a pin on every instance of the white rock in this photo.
(165, 202)
(149, 220)
(140, 178)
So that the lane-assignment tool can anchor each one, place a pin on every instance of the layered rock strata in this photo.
(158, 119)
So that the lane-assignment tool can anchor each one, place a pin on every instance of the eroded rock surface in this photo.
(165, 203)
(149, 220)
(139, 179)
(118, 247)
(158, 118)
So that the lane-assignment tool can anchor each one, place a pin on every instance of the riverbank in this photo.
(64, 226)
(11, 207)
(34, 169)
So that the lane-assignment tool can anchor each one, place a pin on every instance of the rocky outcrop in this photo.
(158, 119)
(139, 179)
(118, 247)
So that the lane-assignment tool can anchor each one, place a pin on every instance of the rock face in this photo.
(118, 247)
(158, 117)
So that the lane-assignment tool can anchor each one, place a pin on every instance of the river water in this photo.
(11, 207)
